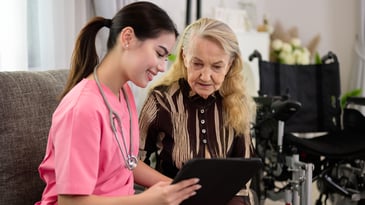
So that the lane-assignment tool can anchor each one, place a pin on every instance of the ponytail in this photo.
(147, 20)
(84, 56)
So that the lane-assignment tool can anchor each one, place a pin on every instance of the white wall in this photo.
(334, 20)
(177, 8)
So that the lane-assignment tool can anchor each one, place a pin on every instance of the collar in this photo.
(195, 98)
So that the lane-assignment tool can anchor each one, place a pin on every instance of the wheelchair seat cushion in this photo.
(342, 145)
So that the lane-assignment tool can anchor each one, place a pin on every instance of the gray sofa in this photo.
(27, 101)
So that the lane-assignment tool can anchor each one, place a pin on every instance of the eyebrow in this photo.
(214, 63)
(163, 48)
(218, 62)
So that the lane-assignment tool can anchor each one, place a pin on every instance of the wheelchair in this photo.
(303, 135)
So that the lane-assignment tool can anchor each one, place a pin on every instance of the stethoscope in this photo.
(129, 159)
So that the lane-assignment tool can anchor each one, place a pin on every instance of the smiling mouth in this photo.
(150, 75)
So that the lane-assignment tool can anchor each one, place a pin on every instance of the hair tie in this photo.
(107, 22)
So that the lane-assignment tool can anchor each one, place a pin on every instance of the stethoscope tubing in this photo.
(129, 159)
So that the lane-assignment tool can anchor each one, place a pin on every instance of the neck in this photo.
(110, 75)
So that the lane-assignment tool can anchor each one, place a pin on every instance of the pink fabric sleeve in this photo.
(77, 148)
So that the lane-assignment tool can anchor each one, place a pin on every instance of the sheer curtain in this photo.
(52, 30)
(40, 34)
(358, 78)
(13, 45)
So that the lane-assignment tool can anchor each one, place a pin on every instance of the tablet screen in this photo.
(221, 179)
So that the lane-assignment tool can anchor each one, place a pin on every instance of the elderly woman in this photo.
(200, 107)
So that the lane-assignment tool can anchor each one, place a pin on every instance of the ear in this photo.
(127, 36)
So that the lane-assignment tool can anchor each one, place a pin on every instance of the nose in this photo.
(161, 66)
(205, 74)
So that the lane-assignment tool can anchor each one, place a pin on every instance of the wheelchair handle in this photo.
(255, 54)
(330, 56)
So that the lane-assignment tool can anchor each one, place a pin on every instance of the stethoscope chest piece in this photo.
(131, 162)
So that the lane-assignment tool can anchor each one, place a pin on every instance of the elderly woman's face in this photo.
(207, 65)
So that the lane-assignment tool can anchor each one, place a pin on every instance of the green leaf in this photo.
(352, 93)
(171, 57)
(317, 58)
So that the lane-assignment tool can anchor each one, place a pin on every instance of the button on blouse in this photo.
(181, 126)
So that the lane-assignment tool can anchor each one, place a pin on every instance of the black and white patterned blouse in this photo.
(179, 126)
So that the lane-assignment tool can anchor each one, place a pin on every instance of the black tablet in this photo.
(221, 179)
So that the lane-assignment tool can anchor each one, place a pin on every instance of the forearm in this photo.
(162, 193)
(146, 176)
(97, 200)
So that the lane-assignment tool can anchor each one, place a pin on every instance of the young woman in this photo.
(200, 107)
(94, 138)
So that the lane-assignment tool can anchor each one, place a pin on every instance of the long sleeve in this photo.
(148, 126)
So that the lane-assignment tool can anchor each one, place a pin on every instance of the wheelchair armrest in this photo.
(283, 110)
(353, 119)
(356, 100)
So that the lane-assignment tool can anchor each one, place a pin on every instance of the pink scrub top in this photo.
(82, 156)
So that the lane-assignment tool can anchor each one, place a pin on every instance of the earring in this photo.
(126, 46)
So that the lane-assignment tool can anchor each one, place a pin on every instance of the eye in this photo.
(217, 67)
(197, 65)
(159, 54)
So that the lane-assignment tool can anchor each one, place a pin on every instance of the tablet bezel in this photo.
(220, 178)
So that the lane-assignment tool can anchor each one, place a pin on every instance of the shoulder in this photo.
(83, 99)
(167, 90)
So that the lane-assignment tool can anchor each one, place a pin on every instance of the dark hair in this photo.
(147, 20)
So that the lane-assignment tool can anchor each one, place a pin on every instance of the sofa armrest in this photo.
(27, 101)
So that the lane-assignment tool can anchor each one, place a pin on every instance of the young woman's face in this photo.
(207, 65)
(147, 58)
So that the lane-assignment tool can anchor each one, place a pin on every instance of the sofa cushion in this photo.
(27, 101)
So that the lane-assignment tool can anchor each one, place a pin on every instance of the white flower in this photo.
(290, 53)
(296, 42)
(287, 48)
(303, 58)
(287, 58)
(277, 44)
(297, 53)
(306, 51)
